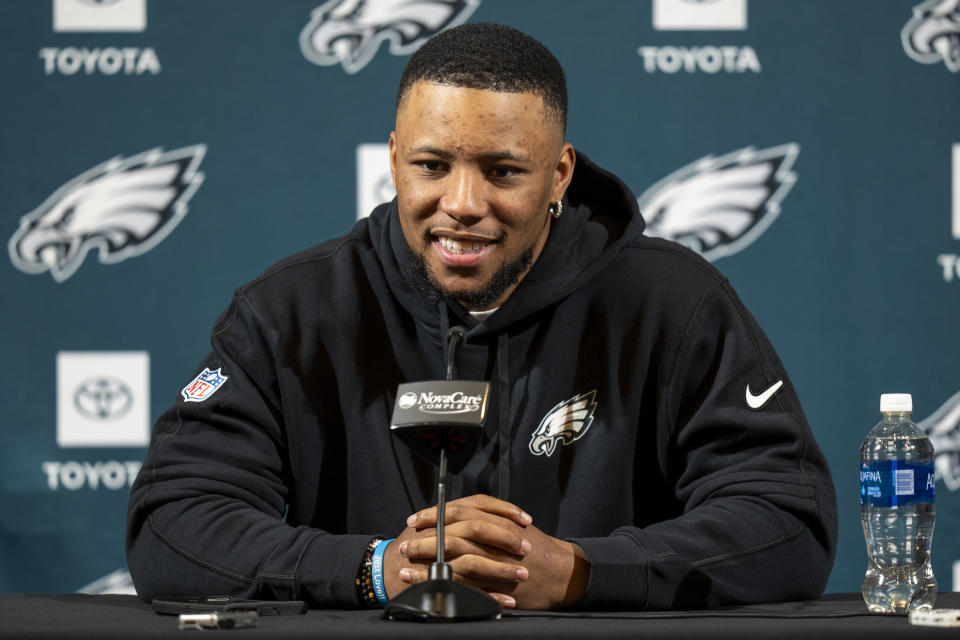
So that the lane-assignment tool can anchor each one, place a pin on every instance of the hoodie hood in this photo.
(600, 215)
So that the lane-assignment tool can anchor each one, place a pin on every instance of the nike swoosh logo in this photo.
(756, 401)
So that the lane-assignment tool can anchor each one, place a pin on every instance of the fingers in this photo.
(426, 548)
(462, 552)
(476, 569)
(478, 575)
(485, 542)
(463, 538)
(480, 520)
(506, 602)
(457, 509)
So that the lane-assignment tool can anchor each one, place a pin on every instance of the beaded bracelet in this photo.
(365, 576)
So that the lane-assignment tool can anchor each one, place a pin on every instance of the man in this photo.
(643, 447)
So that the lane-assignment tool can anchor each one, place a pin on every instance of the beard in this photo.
(426, 282)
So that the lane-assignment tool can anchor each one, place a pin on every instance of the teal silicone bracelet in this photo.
(376, 572)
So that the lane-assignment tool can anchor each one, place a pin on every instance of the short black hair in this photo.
(489, 56)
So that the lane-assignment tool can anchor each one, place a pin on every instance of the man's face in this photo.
(475, 171)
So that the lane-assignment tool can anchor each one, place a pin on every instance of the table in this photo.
(844, 615)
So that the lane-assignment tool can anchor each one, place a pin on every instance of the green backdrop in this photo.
(158, 153)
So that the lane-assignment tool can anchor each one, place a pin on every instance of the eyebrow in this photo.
(447, 155)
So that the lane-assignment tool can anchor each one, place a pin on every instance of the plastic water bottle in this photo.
(897, 510)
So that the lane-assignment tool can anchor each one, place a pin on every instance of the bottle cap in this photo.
(896, 402)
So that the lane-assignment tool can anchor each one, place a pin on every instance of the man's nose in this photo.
(463, 197)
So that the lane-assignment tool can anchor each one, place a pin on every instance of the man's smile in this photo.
(466, 251)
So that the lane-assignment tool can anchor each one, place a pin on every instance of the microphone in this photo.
(441, 420)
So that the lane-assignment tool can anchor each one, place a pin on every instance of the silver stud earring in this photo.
(556, 208)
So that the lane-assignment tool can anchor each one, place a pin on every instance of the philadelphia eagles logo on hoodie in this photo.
(349, 32)
(122, 207)
(932, 35)
(719, 206)
(564, 424)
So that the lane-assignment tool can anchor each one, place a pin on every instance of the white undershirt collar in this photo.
(480, 316)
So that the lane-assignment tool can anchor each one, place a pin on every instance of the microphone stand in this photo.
(442, 570)
(440, 599)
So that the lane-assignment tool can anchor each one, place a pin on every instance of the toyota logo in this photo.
(103, 398)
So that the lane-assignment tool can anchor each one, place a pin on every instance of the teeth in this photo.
(456, 246)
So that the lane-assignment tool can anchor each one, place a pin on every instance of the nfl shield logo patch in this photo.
(203, 386)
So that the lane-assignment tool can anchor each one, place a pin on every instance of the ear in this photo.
(563, 173)
(393, 158)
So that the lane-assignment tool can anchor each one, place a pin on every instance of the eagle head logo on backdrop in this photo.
(932, 35)
(718, 206)
(124, 208)
(349, 32)
(943, 428)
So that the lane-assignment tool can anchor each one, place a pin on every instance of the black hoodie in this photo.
(622, 369)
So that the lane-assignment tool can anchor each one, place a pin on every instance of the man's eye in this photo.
(431, 166)
(502, 172)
